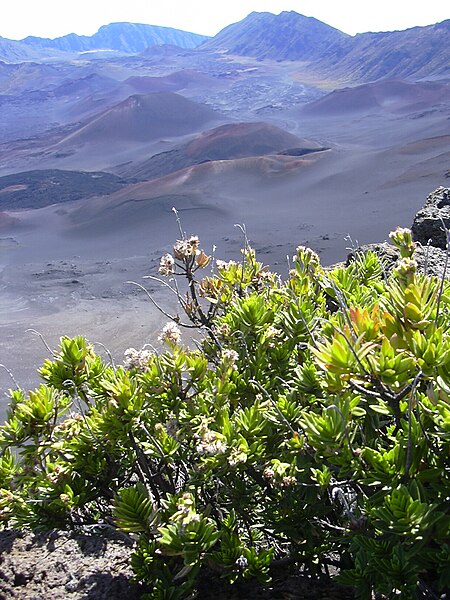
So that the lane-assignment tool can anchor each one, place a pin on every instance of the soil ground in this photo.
(64, 566)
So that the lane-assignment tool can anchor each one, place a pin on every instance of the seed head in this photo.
(202, 260)
(166, 265)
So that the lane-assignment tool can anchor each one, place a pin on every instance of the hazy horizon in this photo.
(51, 19)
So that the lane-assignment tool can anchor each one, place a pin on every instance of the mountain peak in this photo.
(287, 36)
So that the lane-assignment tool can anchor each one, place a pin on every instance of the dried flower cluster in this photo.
(223, 330)
(170, 334)
(285, 481)
(210, 442)
(184, 249)
(210, 287)
(167, 265)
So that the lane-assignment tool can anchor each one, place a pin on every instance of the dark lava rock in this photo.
(61, 565)
(427, 223)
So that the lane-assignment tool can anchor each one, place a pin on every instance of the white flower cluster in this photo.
(237, 457)
(264, 275)
(229, 357)
(170, 334)
(210, 443)
(241, 562)
(401, 235)
(306, 253)
(137, 359)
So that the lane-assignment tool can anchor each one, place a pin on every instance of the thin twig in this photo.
(246, 247)
(42, 340)
(174, 290)
(11, 375)
(153, 301)
(108, 352)
(177, 216)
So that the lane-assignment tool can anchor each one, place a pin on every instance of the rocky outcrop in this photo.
(428, 233)
(427, 227)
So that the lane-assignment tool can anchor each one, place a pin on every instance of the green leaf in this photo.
(134, 511)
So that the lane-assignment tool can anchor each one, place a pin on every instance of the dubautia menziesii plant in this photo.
(310, 427)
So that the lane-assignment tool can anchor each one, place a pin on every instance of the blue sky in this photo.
(52, 18)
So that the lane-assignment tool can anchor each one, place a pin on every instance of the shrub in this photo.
(313, 424)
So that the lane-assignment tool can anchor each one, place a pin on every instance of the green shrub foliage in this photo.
(312, 423)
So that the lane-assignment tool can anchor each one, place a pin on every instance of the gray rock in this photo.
(427, 223)
(388, 254)
(429, 235)
(430, 260)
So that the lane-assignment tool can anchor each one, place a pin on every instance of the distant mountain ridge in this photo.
(124, 38)
(326, 52)
(416, 52)
(12, 51)
(419, 51)
(130, 38)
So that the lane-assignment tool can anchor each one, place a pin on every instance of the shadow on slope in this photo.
(390, 95)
